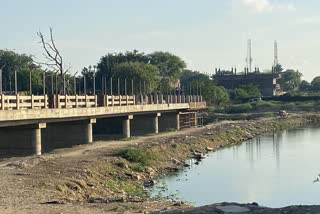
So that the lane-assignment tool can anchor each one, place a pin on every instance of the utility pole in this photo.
(125, 86)
(44, 82)
(75, 83)
(276, 60)
(84, 84)
(15, 82)
(52, 92)
(118, 86)
(1, 87)
(94, 80)
(57, 82)
(249, 59)
(111, 86)
(132, 87)
(64, 84)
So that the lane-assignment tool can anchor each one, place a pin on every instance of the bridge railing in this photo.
(119, 100)
(14, 102)
(10, 102)
(74, 101)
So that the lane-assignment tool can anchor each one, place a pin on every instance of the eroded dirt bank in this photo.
(109, 177)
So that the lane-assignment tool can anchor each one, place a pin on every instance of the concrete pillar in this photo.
(126, 126)
(195, 119)
(36, 138)
(178, 121)
(156, 123)
(89, 135)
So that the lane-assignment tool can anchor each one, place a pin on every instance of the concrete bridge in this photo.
(41, 123)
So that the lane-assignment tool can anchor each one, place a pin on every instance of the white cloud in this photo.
(291, 7)
(309, 20)
(265, 6)
(258, 6)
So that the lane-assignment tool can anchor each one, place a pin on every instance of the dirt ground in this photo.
(65, 180)
(24, 180)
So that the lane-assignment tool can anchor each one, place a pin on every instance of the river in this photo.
(273, 170)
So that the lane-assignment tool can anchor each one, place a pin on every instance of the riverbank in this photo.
(109, 177)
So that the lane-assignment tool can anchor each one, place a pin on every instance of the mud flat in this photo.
(111, 176)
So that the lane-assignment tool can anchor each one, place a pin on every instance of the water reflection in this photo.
(273, 170)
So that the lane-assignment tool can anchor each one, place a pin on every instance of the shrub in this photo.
(143, 157)
(240, 108)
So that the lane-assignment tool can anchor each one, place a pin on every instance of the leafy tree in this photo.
(278, 68)
(170, 65)
(304, 86)
(315, 84)
(246, 91)
(290, 80)
(212, 93)
(138, 72)
(23, 64)
(216, 95)
(108, 62)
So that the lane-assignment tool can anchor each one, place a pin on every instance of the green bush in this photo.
(145, 158)
(240, 108)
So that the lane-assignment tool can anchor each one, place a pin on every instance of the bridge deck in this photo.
(29, 116)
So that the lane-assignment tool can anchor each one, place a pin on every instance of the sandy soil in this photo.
(64, 180)
(24, 180)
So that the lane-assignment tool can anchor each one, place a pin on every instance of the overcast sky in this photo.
(205, 33)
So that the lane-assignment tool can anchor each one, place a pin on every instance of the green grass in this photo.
(142, 156)
(239, 108)
(266, 106)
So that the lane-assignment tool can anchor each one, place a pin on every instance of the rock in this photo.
(197, 163)
(149, 183)
(209, 149)
(53, 202)
(149, 169)
(198, 155)
(186, 165)
(175, 161)
(137, 177)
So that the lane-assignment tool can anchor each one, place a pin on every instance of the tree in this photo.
(290, 80)
(304, 86)
(199, 82)
(23, 64)
(107, 63)
(139, 72)
(315, 84)
(170, 66)
(278, 68)
(246, 91)
(54, 59)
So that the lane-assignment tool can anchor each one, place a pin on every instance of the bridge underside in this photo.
(43, 135)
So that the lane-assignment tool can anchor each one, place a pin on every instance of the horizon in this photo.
(196, 32)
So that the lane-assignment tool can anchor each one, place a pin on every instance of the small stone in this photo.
(149, 170)
(137, 177)
(175, 161)
(186, 165)
(209, 149)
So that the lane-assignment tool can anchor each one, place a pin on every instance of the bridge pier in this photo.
(156, 123)
(36, 138)
(89, 134)
(126, 126)
(178, 121)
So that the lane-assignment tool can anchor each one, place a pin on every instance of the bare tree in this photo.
(54, 58)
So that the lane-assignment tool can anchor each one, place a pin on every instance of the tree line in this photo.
(130, 72)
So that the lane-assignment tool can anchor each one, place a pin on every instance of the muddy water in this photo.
(273, 170)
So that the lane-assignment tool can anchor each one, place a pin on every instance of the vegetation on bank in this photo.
(267, 106)
(124, 173)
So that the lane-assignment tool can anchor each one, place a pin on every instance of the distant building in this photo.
(266, 82)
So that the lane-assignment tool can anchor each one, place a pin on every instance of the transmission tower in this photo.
(276, 60)
(249, 57)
